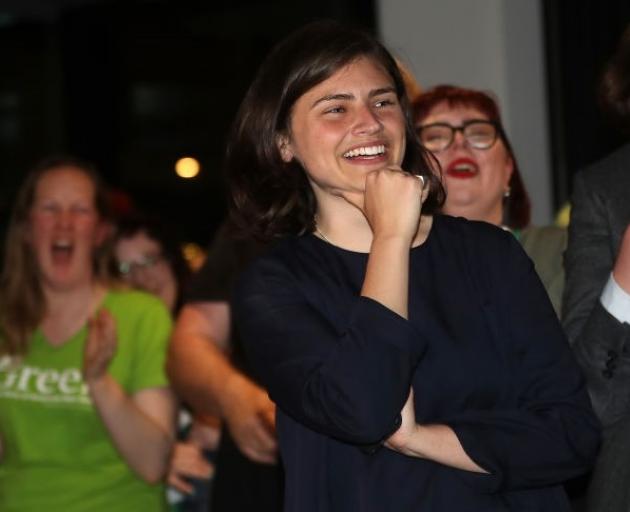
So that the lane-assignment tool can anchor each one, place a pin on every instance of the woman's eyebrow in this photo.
(350, 96)
(382, 90)
(333, 97)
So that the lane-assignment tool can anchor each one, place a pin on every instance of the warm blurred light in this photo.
(187, 167)
(194, 255)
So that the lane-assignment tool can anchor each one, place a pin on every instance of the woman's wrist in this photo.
(414, 442)
(98, 384)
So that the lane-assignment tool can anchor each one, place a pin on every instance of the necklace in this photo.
(321, 235)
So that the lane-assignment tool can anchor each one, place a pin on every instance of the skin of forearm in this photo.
(200, 372)
(387, 274)
(439, 443)
(144, 444)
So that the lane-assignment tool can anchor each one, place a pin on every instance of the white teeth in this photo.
(365, 151)
(61, 244)
(464, 167)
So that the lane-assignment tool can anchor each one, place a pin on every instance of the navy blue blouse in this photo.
(482, 348)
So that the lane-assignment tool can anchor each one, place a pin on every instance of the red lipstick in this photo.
(462, 168)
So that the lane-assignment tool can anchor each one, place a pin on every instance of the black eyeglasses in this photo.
(479, 134)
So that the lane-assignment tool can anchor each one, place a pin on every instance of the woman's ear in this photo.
(104, 232)
(509, 169)
(284, 146)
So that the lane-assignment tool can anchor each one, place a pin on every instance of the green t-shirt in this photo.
(58, 455)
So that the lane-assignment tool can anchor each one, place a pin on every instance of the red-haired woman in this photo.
(463, 129)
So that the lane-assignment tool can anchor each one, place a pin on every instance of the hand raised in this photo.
(100, 345)
(392, 202)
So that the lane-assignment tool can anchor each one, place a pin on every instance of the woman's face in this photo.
(64, 228)
(143, 266)
(475, 179)
(345, 127)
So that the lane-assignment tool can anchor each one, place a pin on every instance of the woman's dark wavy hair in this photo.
(269, 197)
(614, 85)
(516, 207)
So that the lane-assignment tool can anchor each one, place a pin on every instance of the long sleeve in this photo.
(347, 381)
(548, 433)
(482, 349)
(597, 337)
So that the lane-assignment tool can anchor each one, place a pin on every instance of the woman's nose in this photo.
(458, 139)
(367, 121)
(64, 218)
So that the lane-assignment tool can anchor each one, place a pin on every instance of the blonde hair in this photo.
(22, 303)
(411, 84)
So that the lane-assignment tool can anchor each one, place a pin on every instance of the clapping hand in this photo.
(100, 346)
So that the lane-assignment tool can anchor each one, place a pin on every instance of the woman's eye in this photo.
(335, 110)
(49, 207)
(384, 103)
(81, 209)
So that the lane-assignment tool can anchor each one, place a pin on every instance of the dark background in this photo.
(135, 85)
(580, 36)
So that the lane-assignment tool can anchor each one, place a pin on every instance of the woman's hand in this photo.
(401, 439)
(100, 346)
(187, 461)
(250, 417)
(434, 442)
(392, 202)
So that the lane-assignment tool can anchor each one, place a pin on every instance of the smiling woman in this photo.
(347, 116)
(345, 127)
(385, 333)
(78, 357)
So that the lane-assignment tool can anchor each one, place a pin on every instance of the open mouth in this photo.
(62, 251)
(462, 168)
(365, 152)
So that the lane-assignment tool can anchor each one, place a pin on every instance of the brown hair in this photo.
(22, 305)
(614, 86)
(271, 198)
(516, 207)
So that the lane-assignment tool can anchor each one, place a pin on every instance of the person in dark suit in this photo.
(596, 312)
(415, 359)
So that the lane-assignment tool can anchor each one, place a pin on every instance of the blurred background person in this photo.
(463, 129)
(86, 414)
(150, 259)
(209, 370)
(596, 312)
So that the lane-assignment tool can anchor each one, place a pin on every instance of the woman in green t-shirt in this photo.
(86, 414)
